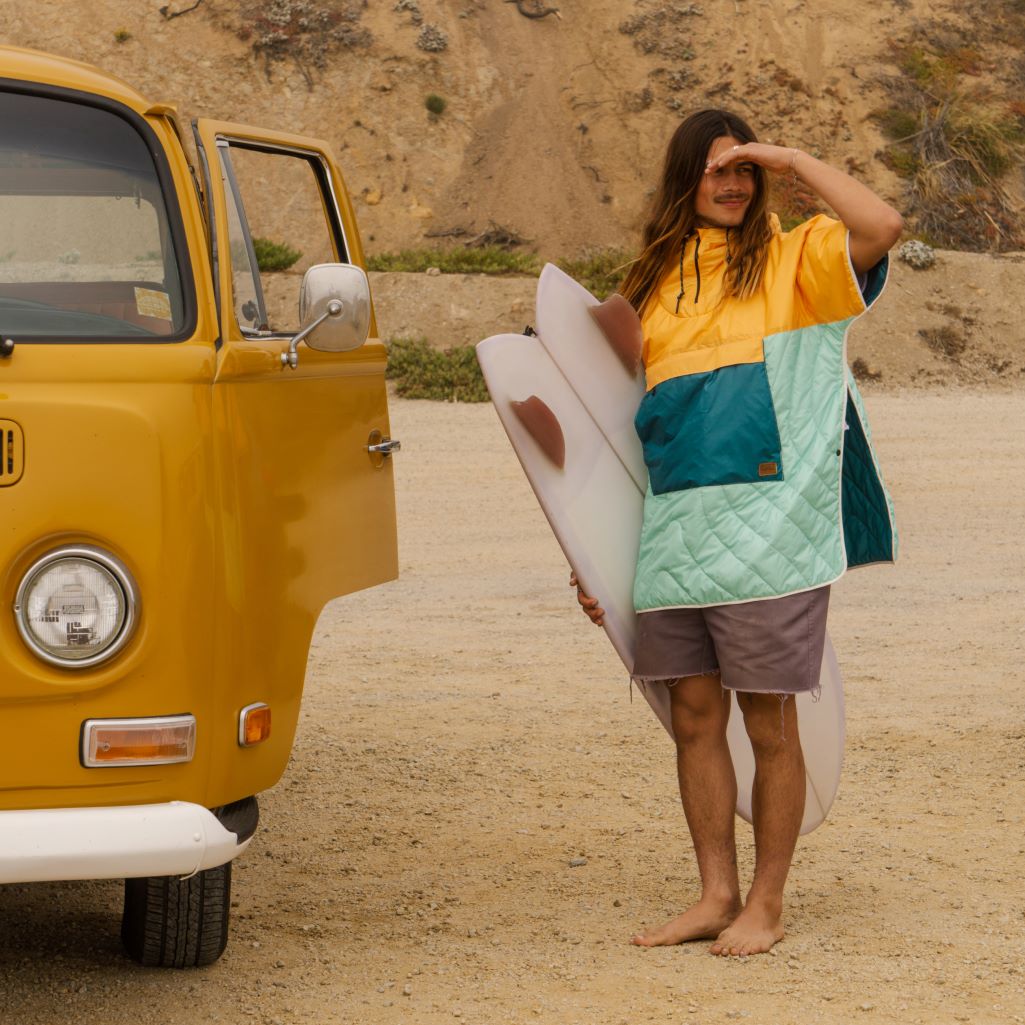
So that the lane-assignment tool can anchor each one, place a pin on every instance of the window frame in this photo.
(232, 193)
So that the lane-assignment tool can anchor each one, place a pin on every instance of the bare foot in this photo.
(754, 931)
(708, 918)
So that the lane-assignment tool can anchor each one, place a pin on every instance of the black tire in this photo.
(177, 923)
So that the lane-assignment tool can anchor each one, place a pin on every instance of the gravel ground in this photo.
(468, 740)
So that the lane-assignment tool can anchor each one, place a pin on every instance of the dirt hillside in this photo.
(552, 127)
(959, 322)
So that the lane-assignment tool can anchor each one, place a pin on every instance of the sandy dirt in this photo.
(466, 734)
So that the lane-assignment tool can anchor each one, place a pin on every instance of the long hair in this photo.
(672, 219)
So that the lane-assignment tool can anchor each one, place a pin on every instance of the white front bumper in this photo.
(174, 839)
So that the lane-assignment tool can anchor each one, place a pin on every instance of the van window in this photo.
(86, 252)
(281, 221)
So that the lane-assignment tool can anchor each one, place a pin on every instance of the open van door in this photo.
(307, 509)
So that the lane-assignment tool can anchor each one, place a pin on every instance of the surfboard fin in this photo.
(621, 327)
(543, 426)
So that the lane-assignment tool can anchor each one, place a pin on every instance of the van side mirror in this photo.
(334, 310)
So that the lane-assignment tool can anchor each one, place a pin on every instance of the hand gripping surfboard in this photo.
(567, 399)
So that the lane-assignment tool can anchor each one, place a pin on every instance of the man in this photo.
(752, 510)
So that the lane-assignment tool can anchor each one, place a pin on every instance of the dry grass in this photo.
(954, 142)
(945, 341)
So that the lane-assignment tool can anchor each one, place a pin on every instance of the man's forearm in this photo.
(874, 224)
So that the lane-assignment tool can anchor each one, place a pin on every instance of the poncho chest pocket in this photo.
(716, 427)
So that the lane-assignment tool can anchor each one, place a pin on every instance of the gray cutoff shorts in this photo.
(771, 646)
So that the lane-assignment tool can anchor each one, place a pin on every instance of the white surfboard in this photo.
(567, 403)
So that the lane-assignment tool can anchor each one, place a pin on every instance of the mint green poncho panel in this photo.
(729, 543)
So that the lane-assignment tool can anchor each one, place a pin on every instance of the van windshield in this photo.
(86, 252)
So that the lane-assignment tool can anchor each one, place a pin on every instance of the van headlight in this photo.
(76, 606)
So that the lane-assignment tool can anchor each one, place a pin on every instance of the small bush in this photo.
(944, 341)
(435, 104)
(896, 123)
(432, 39)
(792, 201)
(423, 372)
(863, 372)
(903, 162)
(274, 256)
(305, 32)
(600, 271)
(483, 260)
(122, 35)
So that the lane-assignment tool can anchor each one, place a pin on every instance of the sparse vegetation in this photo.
(464, 260)
(423, 372)
(305, 32)
(600, 271)
(274, 256)
(953, 145)
(435, 104)
(432, 39)
(792, 201)
(412, 8)
(658, 30)
(122, 35)
(945, 341)
(863, 372)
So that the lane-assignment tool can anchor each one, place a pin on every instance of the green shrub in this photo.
(464, 260)
(902, 162)
(274, 256)
(600, 271)
(122, 35)
(896, 123)
(422, 372)
(435, 104)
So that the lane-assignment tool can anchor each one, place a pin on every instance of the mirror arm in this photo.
(291, 358)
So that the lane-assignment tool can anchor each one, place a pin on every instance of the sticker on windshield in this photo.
(151, 303)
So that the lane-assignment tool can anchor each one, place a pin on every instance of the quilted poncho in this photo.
(762, 477)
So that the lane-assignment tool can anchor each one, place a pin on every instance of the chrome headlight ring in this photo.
(121, 584)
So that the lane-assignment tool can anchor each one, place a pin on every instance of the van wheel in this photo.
(177, 923)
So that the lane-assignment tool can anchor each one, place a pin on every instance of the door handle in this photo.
(379, 448)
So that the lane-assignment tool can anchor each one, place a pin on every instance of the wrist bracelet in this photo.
(793, 164)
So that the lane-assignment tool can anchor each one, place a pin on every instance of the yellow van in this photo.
(194, 459)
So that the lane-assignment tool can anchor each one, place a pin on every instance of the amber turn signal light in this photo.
(161, 740)
(253, 724)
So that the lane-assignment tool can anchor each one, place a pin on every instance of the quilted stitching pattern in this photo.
(738, 542)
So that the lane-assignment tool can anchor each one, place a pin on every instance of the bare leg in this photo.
(708, 789)
(777, 810)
